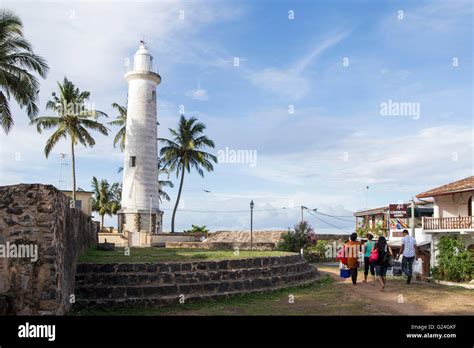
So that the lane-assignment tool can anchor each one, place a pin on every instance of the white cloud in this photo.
(433, 18)
(427, 157)
(91, 52)
(198, 94)
(309, 58)
(97, 37)
(292, 82)
(281, 82)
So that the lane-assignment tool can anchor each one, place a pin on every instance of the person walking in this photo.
(351, 249)
(409, 251)
(382, 263)
(368, 246)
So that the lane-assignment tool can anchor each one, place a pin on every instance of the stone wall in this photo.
(161, 239)
(117, 238)
(122, 285)
(244, 236)
(39, 215)
(229, 240)
(221, 245)
(332, 237)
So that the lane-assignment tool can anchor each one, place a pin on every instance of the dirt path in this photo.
(418, 298)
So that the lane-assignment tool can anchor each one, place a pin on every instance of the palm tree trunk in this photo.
(177, 200)
(101, 222)
(73, 174)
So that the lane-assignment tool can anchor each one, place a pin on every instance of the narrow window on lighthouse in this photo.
(133, 160)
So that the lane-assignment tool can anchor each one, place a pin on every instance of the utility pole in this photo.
(251, 224)
(302, 208)
(62, 162)
(412, 217)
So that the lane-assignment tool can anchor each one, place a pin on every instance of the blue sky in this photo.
(325, 153)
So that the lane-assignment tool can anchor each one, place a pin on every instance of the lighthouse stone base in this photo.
(136, 226)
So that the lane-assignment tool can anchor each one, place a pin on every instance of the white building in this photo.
(140, 215)
(452, 215)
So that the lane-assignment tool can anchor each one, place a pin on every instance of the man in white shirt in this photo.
(409, 251)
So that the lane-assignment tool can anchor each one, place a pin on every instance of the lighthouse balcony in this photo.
(143, 74)
(143, 66)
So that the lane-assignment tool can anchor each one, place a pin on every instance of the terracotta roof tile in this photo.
(466, 184)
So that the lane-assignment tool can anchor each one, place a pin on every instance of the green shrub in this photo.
(454, 261)
(295, 240)
(197, 231)
(316, 252)
(377, 230)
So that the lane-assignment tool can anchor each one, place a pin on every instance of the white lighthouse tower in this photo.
(140, 214)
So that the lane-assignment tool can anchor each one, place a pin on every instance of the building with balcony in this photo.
(373, 220)
(452, 214)
(379, 220)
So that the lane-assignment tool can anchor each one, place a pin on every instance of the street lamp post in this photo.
(251, 224)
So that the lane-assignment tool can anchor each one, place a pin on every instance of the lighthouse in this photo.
(140, 215)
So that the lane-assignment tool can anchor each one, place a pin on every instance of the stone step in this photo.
(185, 277)
(94, 291)
(167, 300)
(211, 265)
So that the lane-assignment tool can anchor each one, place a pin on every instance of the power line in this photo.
(333, 216)
(228, 211)
(340, 217)
(270, 209)
(328, 223)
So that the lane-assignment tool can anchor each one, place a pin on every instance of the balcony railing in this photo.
(130, 66)
(448, 223)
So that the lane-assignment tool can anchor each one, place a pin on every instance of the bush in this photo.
(454, 261)
(197, 231)
(301, 237)
(316, 252)
(377, 230)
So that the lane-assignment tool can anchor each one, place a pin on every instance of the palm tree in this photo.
(163, 183)
(185, 151)
(121, 121)
(16, 61)
(73, 120)
(106, 198)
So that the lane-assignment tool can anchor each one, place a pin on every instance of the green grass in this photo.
(320, 298)
(162, 254)
(325, 297)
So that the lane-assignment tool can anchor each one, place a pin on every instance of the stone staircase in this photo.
(120, 285)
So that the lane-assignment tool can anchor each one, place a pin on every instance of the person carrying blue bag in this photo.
(352, 248)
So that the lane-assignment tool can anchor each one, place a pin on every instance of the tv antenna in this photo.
(63, 166)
